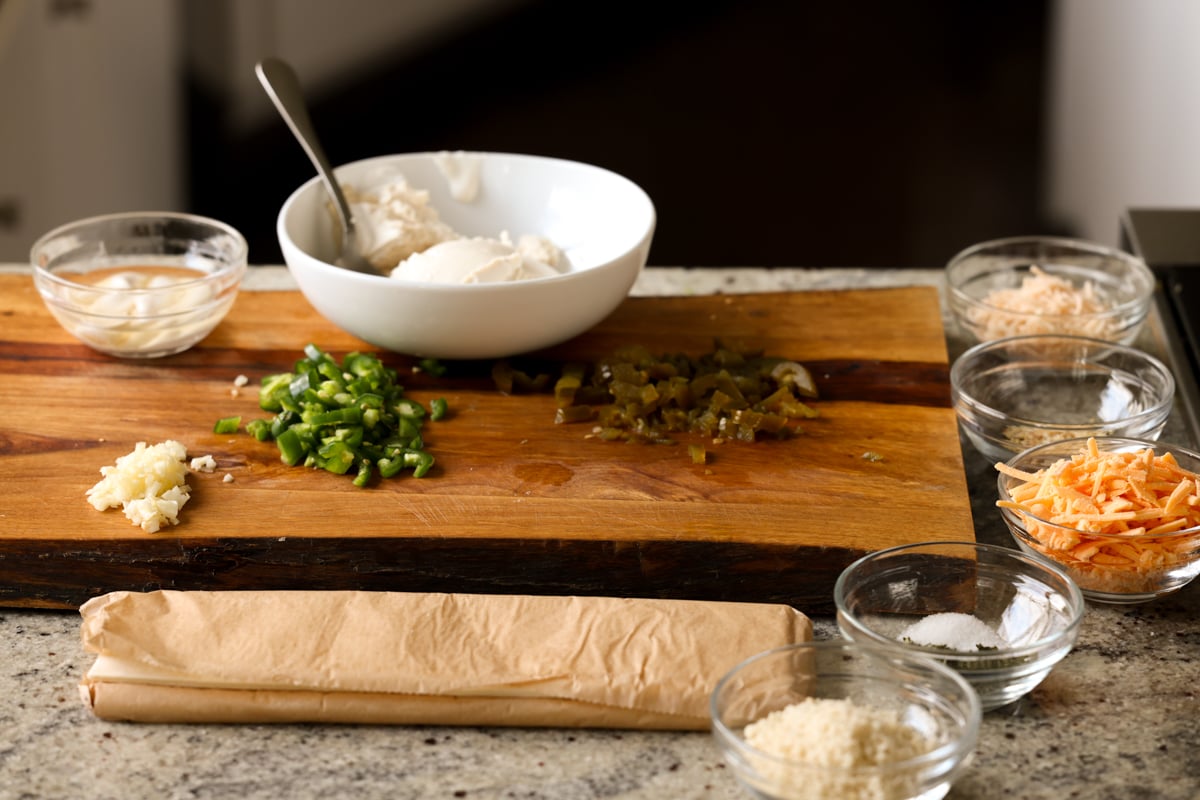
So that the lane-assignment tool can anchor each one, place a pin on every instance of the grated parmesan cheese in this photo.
(840, 734)
(149, 484)
(1022, 437)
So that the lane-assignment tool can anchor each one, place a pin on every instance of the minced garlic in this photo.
(202, 464)
(149, 484)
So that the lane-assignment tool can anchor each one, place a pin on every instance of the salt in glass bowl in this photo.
(1033, 610)
(1109, 299)
(925, 695)
(1011, 394)
(140, 284)
(1157, 565)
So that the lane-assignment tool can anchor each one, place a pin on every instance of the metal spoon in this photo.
(283, 87)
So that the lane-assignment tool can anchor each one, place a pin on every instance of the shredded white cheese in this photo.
(841, 735)
(149, 484)
(1045, 303)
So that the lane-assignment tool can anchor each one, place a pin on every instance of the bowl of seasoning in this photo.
(1011, 394)
(1044, 284)
(1120, 515)
(999, 617)
(140, 284)
(842, 719)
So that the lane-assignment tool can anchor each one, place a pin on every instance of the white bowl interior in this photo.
(602, 221)
(592, 214)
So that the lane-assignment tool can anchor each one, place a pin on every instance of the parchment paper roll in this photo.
(419, 658)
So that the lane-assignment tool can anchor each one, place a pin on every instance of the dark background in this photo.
(767, 133)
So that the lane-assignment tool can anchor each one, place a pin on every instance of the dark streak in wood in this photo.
(679, 569)
(877, 381)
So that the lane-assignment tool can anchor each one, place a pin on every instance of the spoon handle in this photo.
(283, 87)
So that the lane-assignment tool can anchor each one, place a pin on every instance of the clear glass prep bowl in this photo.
(928, 696)
(1034, 607)
(140, 284)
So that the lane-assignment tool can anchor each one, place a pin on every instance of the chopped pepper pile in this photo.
(635, 395)
(348, 417)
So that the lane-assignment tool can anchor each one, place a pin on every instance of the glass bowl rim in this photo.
(1138, 266)
(1073, 594)
(964, 362)
(956, 749)
(236, 264)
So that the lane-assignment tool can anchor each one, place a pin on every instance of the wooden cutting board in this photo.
(515, 503)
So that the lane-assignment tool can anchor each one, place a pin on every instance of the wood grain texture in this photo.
(515, 503)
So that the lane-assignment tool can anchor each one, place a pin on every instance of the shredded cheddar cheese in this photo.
(1044, 303)
(1117, 520)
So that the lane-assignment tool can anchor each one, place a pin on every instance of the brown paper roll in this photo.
(418, 658)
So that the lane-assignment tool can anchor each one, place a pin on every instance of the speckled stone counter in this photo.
(1116, 720)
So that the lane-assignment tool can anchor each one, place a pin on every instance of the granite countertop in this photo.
(1116, 719)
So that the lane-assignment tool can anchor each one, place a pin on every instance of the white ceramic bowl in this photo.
(140, 284)
(602, 221)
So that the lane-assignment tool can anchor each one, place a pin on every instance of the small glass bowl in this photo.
(1117, 289)
(142, 284)
(924, 694)
(1033, 609)
(1172, 560)
(1012, 394)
